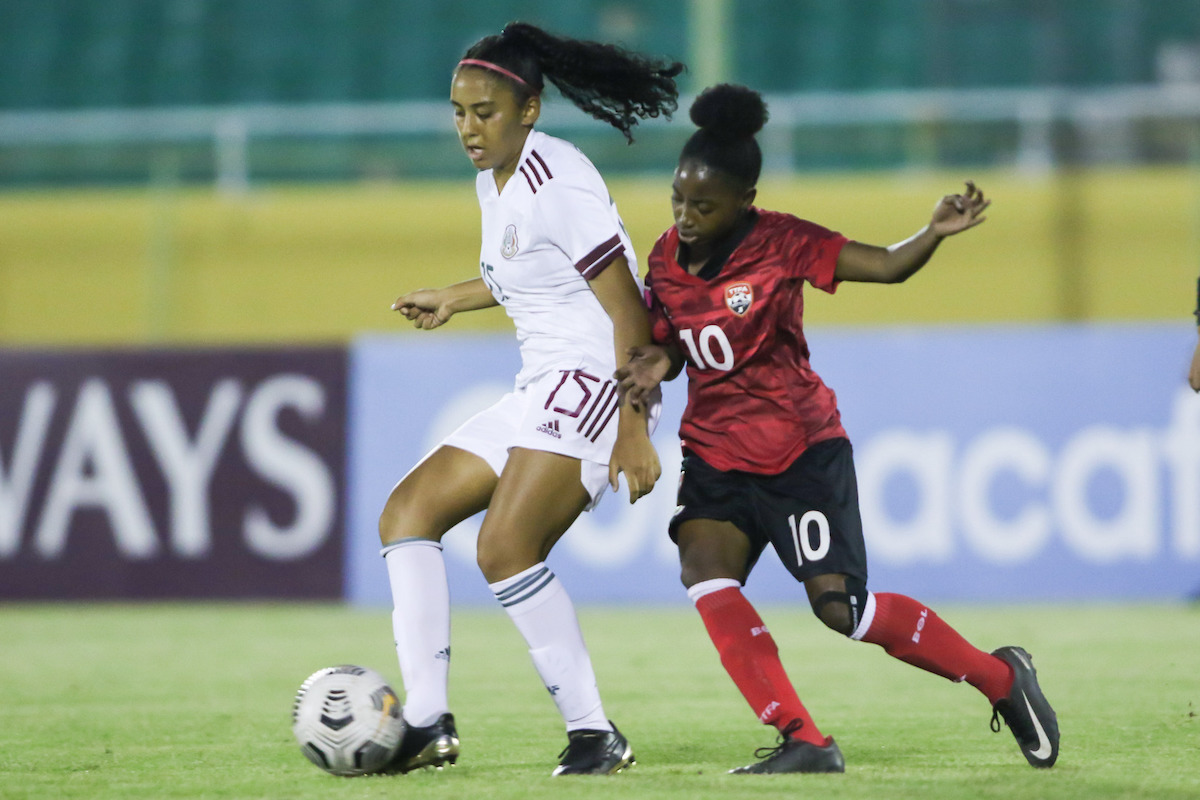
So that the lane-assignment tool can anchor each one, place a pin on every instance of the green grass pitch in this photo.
(193, 701)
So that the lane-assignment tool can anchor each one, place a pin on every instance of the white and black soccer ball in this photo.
(347, 720)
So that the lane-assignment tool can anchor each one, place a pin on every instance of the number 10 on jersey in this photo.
(714, 352)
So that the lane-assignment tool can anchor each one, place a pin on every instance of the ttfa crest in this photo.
(739, 297)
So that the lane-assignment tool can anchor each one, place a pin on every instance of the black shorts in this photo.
(809, 512)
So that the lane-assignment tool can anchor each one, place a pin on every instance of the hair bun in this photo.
(729, 112)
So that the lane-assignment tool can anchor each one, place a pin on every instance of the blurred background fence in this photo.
(239, 91)
(1033, 129)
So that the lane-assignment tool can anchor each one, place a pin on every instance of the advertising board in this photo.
(994, 464)
(149, 474)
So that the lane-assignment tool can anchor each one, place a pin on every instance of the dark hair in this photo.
(611, 84)
(728, 117)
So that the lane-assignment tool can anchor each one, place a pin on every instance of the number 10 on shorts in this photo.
(802, 536)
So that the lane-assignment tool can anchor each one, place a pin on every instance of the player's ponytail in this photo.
(728, 117)
(608, 82)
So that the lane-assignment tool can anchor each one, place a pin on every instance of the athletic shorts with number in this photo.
(572, 412)
(809, 512)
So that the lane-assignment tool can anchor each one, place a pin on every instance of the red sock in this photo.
(751, 658)
(914, 634)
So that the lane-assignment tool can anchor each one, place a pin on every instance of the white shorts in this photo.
(571, 412)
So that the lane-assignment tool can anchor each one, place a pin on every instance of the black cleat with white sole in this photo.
(433, 745)
(1026, 711)
(592, 752)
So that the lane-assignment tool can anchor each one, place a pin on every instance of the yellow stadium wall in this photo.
(320, 264)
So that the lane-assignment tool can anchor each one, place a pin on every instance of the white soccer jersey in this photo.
(553, 227)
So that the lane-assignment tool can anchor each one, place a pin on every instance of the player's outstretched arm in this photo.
(1194, 372)
(431, 308)
(953, 214)
(648, 366)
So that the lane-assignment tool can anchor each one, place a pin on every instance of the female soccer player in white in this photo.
(766, 459)
(556, 256)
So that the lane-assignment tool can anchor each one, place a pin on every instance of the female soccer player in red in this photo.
(766, 460)
(556, 256)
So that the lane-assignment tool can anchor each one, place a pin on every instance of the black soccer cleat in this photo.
(591, 752)
(1026, 711)
(433, 745)
(795, 755)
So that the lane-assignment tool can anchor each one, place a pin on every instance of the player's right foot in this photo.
(429, 746)
(591, 752)
(1026, 711)
(795, 755)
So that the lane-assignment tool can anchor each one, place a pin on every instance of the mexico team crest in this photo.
(739, 297)
(508, 248)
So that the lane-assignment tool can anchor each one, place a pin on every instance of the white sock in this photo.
(421, 625)
(542, 611)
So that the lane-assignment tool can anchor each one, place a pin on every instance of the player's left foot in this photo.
(591, 752)
(1026, 711)
(796, 755)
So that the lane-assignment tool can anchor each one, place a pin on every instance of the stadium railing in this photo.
(1034, 129)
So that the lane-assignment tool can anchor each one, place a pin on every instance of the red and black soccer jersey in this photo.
(754, 402)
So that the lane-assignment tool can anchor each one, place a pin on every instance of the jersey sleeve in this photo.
(813, 252)
(662, 331)
(579, 221)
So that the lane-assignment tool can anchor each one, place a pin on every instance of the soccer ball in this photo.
(347, 720)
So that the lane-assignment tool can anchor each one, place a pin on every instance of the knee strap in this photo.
(854, 599)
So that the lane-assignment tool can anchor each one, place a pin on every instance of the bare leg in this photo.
(440, 492)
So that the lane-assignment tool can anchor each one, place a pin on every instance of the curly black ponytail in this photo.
(610, 83)
(728, 117)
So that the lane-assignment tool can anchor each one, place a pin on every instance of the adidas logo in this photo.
(550, 428)
(443, 654)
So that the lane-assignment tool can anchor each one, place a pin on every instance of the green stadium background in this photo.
(109, 240)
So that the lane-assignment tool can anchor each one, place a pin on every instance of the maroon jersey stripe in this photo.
(533, 168)
(594, 262)
(603, 398)
(528, 180)
(534, 153)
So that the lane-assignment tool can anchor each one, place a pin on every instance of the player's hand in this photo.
(648, 365)
(1194, 373)
(956, 213)
(635, 456)
(424, 308)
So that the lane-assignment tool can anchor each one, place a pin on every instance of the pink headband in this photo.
(475, 62)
